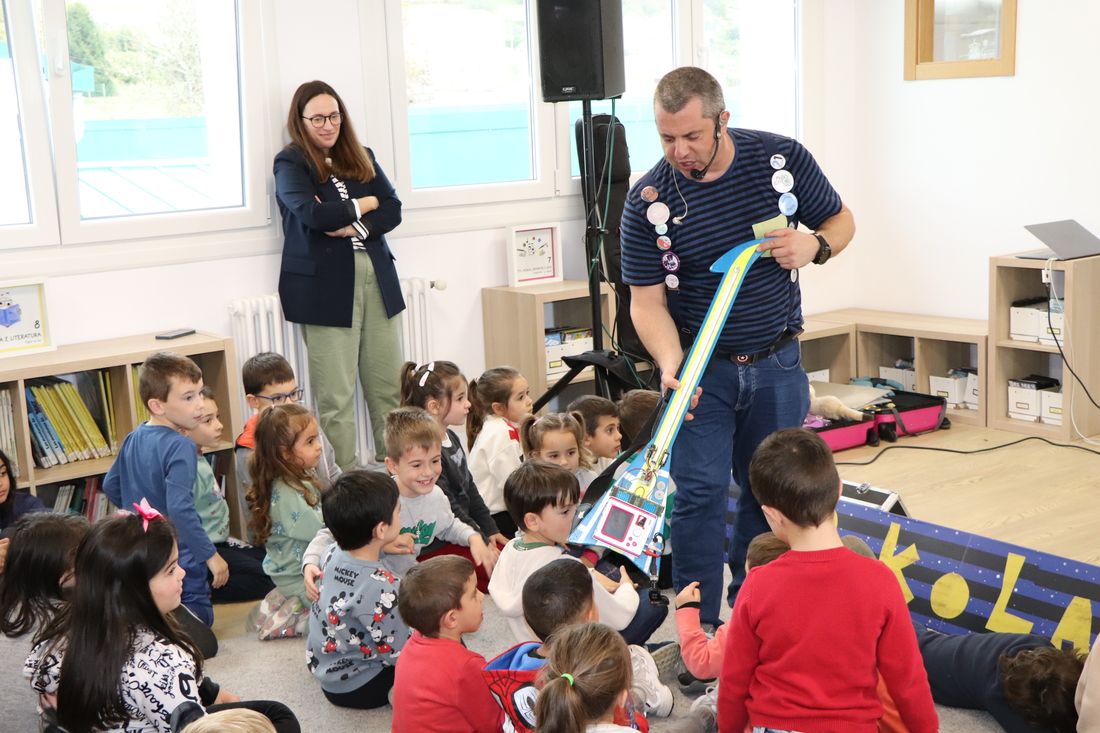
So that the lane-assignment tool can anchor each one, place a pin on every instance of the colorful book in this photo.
(59, 422)
(49, 447)
(84, 419)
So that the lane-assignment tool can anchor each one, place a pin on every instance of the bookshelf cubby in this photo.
(118, 357)
(1012, 278)
(937, 344)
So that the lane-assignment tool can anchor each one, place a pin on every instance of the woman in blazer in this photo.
(337, 276)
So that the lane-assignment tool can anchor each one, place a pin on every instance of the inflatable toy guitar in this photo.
(629, 517)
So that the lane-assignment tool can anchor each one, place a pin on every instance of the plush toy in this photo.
(832, 408)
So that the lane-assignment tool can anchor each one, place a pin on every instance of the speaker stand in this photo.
(592, 234)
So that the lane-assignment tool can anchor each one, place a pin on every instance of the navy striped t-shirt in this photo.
(720, 215)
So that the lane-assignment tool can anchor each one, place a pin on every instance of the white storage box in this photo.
(820, 375)
(953, 389)
(907, 378)
(1023, 322)
(970, 399)
(1058, 323)
(1050, 406)
(555, 363)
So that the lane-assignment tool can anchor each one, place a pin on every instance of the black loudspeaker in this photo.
(581, 49)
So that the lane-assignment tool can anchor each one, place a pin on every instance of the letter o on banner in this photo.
(949, 596)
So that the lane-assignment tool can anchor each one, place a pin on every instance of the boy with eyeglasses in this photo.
(268, 381)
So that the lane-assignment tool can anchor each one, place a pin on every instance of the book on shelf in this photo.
(141, 408)
(8, 442)
(61, 422)
(43, 437)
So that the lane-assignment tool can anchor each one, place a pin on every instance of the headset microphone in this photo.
(698, 173)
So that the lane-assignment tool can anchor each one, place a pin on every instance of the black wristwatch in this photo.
(824, 251)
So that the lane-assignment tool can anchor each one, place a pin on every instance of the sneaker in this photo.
(666, 655)
(655, 698)
(689, 683)
(704, 711)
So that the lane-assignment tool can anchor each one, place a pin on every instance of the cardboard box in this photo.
(1050, 401)
(952, 389)
(555, 363)
(906, 377)
(1058, 322)
(820, 375)
(1025, 396)
(1023, 321)
(970, 399)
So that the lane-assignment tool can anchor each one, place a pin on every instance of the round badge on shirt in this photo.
(788, 204)
(777, 161)
(672, 282)
(664, 243)
(670, 261)
(661, 228)
(782, 181)
(649, 194)
(657, 213)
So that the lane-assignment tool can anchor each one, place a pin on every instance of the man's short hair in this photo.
(635, 407)
(409, 427)
(158, 371)
(557, 594)
(793, 471)
(763, 549)
(536, 485)
(592, 408)
(680, 86)
(264, 369)
(356, 504)
(431, 589)
(1040, 685)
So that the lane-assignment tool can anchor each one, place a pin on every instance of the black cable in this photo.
(966, 452)
(1058, 342)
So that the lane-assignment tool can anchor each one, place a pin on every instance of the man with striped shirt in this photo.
(714, 189)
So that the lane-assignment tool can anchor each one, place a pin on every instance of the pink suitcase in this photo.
(908, 413)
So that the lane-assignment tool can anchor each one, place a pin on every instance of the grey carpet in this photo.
(276, 670)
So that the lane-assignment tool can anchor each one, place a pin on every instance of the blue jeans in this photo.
(740, 406)
(196, 589)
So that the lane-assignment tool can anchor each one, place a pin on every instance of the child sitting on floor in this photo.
(602, 436)
(438, 687)
(355, 632)
(558, 438)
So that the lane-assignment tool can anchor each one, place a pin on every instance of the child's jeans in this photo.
(196, 590)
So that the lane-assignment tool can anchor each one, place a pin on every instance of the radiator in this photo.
(258, 325)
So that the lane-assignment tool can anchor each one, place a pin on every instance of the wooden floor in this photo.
(1032, 494)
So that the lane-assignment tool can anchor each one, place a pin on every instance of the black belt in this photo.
(784, 338)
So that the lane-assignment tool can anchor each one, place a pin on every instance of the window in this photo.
(146, 114)
(751, 48)
(14, 200)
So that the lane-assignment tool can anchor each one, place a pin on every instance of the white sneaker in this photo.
(704, 710)
(656, 698)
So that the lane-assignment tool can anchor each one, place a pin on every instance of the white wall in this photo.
(948, 172)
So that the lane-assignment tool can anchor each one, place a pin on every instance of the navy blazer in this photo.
(317, 276)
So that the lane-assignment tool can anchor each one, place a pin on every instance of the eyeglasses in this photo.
(279, 399)
(319, 120)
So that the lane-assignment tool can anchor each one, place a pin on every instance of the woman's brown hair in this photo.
(276, 431)
(349, 160)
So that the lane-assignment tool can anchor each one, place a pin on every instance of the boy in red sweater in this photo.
(811, 631)
(438, 686)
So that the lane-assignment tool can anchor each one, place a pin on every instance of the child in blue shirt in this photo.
(159, 463)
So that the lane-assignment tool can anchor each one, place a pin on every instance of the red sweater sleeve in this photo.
(741, 655)
(899, 662)
(475, 701)
(702, 655)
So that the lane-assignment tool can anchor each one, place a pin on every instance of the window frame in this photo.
(62, 202)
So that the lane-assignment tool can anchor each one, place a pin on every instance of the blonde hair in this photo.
(494, 385)
(234, 720)
(586, 672)
(408, 427)
(276, 432)
(533, 429)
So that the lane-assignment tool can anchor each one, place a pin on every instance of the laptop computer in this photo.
(1064, 240)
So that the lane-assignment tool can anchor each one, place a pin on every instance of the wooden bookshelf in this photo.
(212, 353)
(1011, 279)
(937, 344)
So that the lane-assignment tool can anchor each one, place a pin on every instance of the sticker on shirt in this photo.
(782, 181)
(777, 161)
(670, 261)
(661, 228)
(788, 204)
(664, 243)
(657, 213)
(759, 231)
(649, 194)
(672, 282)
